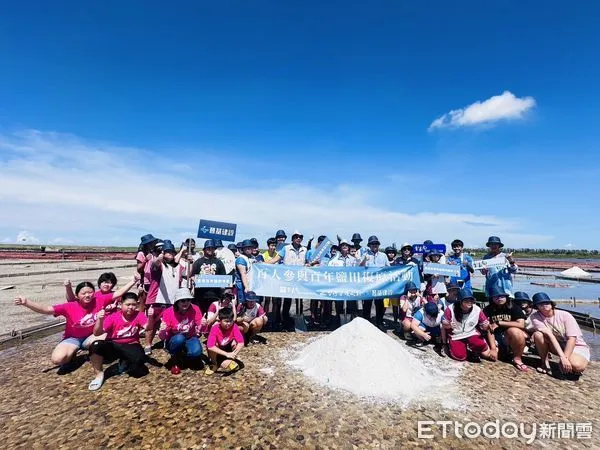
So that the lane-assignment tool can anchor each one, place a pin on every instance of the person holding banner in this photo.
(344, 259)
(406, 258)
(267, 256)
(314, 304)
(293, 254)
(464, 261)
(436, 284)
(208, 264)
(500, 277)
(374, 258)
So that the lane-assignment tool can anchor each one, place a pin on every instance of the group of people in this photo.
(118, 324)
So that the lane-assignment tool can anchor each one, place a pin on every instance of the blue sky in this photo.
(120, 119)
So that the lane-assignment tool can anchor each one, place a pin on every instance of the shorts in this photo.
(502, 342)
(228, 348)
(458, 347)
(82, 342)
(433, 331)
(583, 351)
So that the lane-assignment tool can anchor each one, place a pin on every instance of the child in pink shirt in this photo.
(251, 318)
(180, 329)
(80, 319)
(228, 301)
(106, 282)
(225, 341)
(122, 340)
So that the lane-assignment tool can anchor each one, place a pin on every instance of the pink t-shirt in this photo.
(79, 320)
(123, 331)
(108, 300)
(563, 325)
(188, 323)
(140, 257)
(217, 337)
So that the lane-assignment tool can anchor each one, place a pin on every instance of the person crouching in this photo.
(225, 341)
(251, 318)
(426, 325)
(180, 329)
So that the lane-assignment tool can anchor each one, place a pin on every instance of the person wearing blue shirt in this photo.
(464, 261)
(372, 257)
(243, 266)
(498, 279)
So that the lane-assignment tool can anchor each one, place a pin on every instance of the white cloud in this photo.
(25, 237)
(499, 107)
(94, 193)
(568, 245)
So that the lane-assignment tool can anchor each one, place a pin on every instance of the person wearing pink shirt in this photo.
(251, 318)
(122, 340)
(165, 279)
(227, 301)
(556, 331)
(181, 328)
(465, 322)
(106, 282)
(80, 319)
(225, 341)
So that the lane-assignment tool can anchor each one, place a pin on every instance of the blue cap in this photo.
(541, 297)
(254, 242)
(522, 297)
(465, 294)
(428, 242)
(251, 296)
(452, 285)
(218, 243)
(431, 309)
(210, 243)
(435, 252)
(232, 247)
(280, 233)
(409, 287)
(356, 237)
(168, 246)
(494, 240)
(238, 245)
(147, 238)
(247, 243)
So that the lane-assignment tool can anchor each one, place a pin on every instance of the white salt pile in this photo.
(362, 360)
(576, 272)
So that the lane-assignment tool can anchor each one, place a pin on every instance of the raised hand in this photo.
(20, 300)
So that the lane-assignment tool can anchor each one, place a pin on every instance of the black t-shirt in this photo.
(509, 312)
(207, 266)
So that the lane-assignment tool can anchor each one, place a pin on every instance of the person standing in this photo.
(293, 254)
(372, 257)
(208, 264)
(344, 259)
(499, 278)
(464, 261)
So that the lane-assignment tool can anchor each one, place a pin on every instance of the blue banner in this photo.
(428, 248)
(331, 283)
(321, 250)
(447, 270)
(213, 281)
(210, 229)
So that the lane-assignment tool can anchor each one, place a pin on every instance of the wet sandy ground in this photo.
(273, 408)
(48, 289)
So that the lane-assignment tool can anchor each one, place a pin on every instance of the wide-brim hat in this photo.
(255, 242)
(410, 286)
(251, 296)
(391, 250)
(343, 242)
(239, 245)
(147, 238)
(452, 285)
(232, 247)
(356, 237)
(218, 243)
(247, 243)
(522, 297)
(168, 246)
(431, 309)
(297, 233)
(373, 240)
(183, 294)
(280, 233)
(435, 252)
(541, 297)
(494, 240)
(406, 245)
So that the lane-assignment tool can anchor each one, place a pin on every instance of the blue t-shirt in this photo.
(461, 261)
